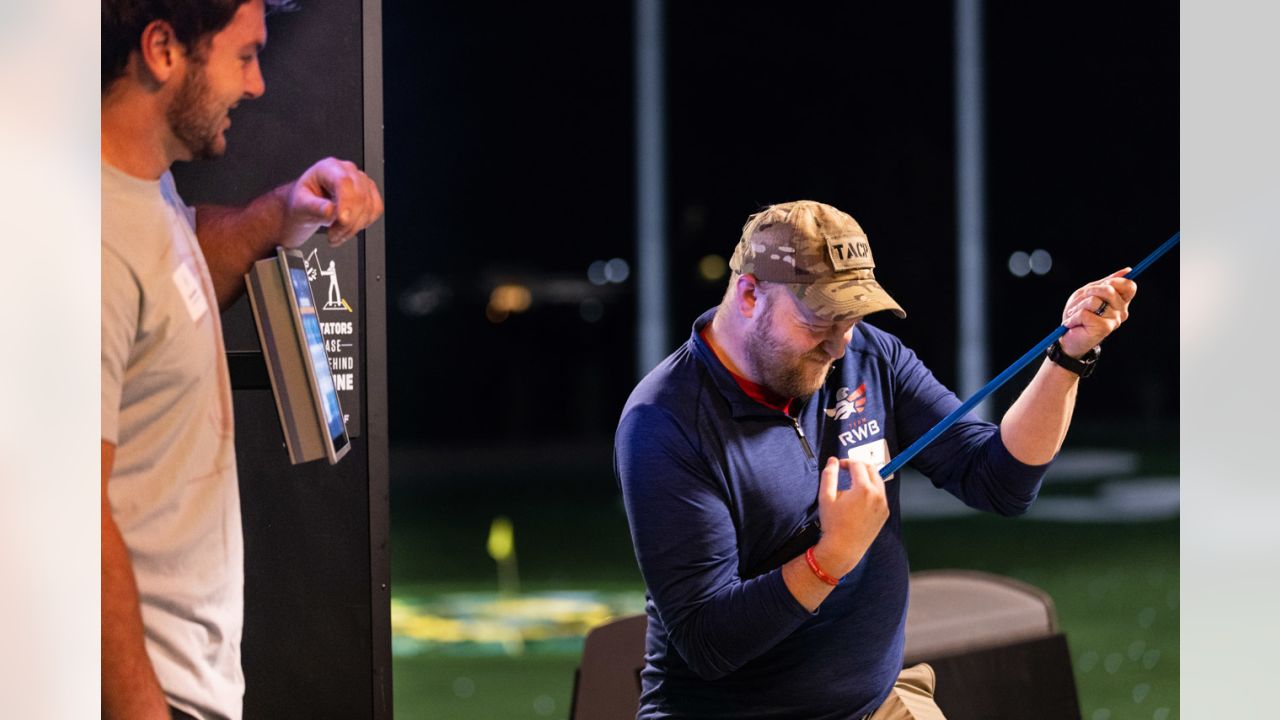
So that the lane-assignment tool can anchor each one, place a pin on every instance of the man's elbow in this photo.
(1012, 505)
(700, 655)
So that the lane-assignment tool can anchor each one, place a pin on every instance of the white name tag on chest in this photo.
(875, 454)
(192, 294)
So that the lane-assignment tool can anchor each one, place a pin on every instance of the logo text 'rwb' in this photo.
(860, 431)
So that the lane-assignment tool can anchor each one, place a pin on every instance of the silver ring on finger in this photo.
(1101, 309)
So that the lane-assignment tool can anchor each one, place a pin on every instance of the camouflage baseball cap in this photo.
(819, 253)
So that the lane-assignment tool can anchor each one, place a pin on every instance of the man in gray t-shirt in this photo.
(172, 551)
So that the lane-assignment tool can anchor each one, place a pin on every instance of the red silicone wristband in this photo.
(813, 565)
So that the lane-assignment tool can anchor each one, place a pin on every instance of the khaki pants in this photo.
(912, 697)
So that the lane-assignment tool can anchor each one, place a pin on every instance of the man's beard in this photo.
(194, 117)
(781, 371)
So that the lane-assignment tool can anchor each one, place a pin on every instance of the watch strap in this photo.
(1083, 366)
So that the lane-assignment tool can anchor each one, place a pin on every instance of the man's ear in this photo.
(747, 295)
(162, 56)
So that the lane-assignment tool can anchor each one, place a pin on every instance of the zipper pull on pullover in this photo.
(804, 441)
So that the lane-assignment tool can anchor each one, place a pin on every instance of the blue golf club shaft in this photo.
(1035, 352)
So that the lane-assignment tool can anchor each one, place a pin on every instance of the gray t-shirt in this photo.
(166, 405)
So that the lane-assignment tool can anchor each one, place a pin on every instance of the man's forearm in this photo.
(1035, 426)
(332, 193)
(232, 239)
(130, 688)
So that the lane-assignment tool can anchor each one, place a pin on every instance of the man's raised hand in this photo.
(332, 193)
(851, 519)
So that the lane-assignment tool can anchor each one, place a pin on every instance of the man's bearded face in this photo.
(196, 117)
(790, 352)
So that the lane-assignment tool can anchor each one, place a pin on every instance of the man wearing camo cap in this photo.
(734, 447)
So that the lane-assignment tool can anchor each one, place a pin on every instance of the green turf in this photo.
(483, 687)
(1115, 586)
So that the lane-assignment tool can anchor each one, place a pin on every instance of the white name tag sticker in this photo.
(875, 454)
(192, 294)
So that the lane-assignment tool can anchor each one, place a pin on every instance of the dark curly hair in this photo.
(193, 22)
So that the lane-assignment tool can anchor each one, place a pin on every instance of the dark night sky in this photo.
(510, 156)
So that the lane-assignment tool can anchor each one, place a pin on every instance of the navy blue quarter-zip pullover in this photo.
(715, 483)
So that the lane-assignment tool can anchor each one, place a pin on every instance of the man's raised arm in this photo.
(1036, 424)
(333, 193)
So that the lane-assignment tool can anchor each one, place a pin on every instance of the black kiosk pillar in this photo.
(317, 640)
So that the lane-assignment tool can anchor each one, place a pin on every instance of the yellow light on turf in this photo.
(501, 538)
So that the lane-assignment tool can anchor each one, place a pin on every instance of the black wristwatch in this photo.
(1082, 367)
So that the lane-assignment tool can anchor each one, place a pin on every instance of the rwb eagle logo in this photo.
(848, 403)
